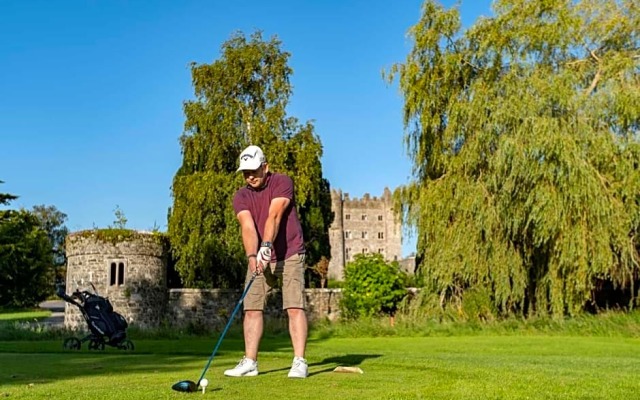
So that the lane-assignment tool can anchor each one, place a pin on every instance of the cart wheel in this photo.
(71, 343)
(127, 345)
(95, 345)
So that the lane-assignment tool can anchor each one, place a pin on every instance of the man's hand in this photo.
(264, 257)
(253, 264)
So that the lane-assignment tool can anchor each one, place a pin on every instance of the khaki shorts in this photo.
(291, 272)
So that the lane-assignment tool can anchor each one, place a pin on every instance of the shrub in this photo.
(478, 304)
(372, 287)
(333, 284)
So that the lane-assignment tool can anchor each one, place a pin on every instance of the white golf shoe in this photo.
(299, 368)
(246, 367)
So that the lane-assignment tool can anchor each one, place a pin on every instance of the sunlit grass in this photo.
(595, 357)
(455, 367)
(22, 315)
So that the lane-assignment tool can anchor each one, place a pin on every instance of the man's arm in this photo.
(249, 238)
(276, 210)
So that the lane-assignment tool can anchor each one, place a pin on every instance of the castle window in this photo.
(347, 216)
(380, 235)
(379, 217)
(364, 217)
(117, 272)
(365, 251)
(381, 251)
(365, 235)
(348, 253)
(347, 234)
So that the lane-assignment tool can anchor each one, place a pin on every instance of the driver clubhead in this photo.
(185, 386)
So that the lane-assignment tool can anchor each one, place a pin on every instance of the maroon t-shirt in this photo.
(289, 240)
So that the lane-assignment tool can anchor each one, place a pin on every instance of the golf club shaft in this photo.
(226, 328)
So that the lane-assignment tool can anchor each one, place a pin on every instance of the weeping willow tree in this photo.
(240, 99)
(524, 131)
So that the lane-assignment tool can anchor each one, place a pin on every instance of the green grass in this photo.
(585, 357)
(453, 367)
(29, 315)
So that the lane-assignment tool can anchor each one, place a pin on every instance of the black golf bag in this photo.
(107, 327)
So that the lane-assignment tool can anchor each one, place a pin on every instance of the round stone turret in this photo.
(127, 267)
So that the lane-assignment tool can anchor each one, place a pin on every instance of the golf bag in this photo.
(107, 327)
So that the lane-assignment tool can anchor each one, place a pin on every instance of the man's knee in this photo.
(252, 314)
(295, 312)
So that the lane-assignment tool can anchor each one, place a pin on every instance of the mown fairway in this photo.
(456, 367)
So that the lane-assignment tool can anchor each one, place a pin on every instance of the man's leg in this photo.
(297, 330)
(253, 326)
(294, 302)
(253, 323)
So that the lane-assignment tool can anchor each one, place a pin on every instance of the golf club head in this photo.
(185, 386)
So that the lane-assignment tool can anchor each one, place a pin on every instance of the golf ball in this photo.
(204, 382)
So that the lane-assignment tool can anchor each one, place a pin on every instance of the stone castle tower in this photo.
(129, 269)
(366, 225)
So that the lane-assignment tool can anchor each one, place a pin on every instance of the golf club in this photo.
(191, 386)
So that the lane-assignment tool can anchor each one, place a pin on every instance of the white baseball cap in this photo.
(251, 158)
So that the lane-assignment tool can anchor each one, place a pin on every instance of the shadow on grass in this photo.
(330, 363)
(24, 362)
(43, 368)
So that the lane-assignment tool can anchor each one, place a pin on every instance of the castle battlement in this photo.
(365, 200)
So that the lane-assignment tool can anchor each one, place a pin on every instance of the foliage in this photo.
(525, 137)
(108, 235)
(52, 222)
(6, 198)
(240, 99)
(322, 269)
(335, 284)
(26, 262)
(29, 325)
(439, 322)
(116, 235)
(371, 287)
(121, 220)
(32, 252)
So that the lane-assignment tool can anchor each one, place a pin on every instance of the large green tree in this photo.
(240, 99)
(25, 258)
(525, 136)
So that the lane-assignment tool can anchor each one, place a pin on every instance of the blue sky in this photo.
(91, 94)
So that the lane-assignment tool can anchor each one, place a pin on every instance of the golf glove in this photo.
(264, 256)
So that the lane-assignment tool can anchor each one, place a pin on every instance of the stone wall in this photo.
(211, 308)
(130, 269)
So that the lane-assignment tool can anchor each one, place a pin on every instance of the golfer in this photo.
(273, 241)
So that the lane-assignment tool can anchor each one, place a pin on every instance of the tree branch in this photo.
(597, 77)
(594, 82)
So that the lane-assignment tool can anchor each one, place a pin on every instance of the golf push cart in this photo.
(107, 327)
